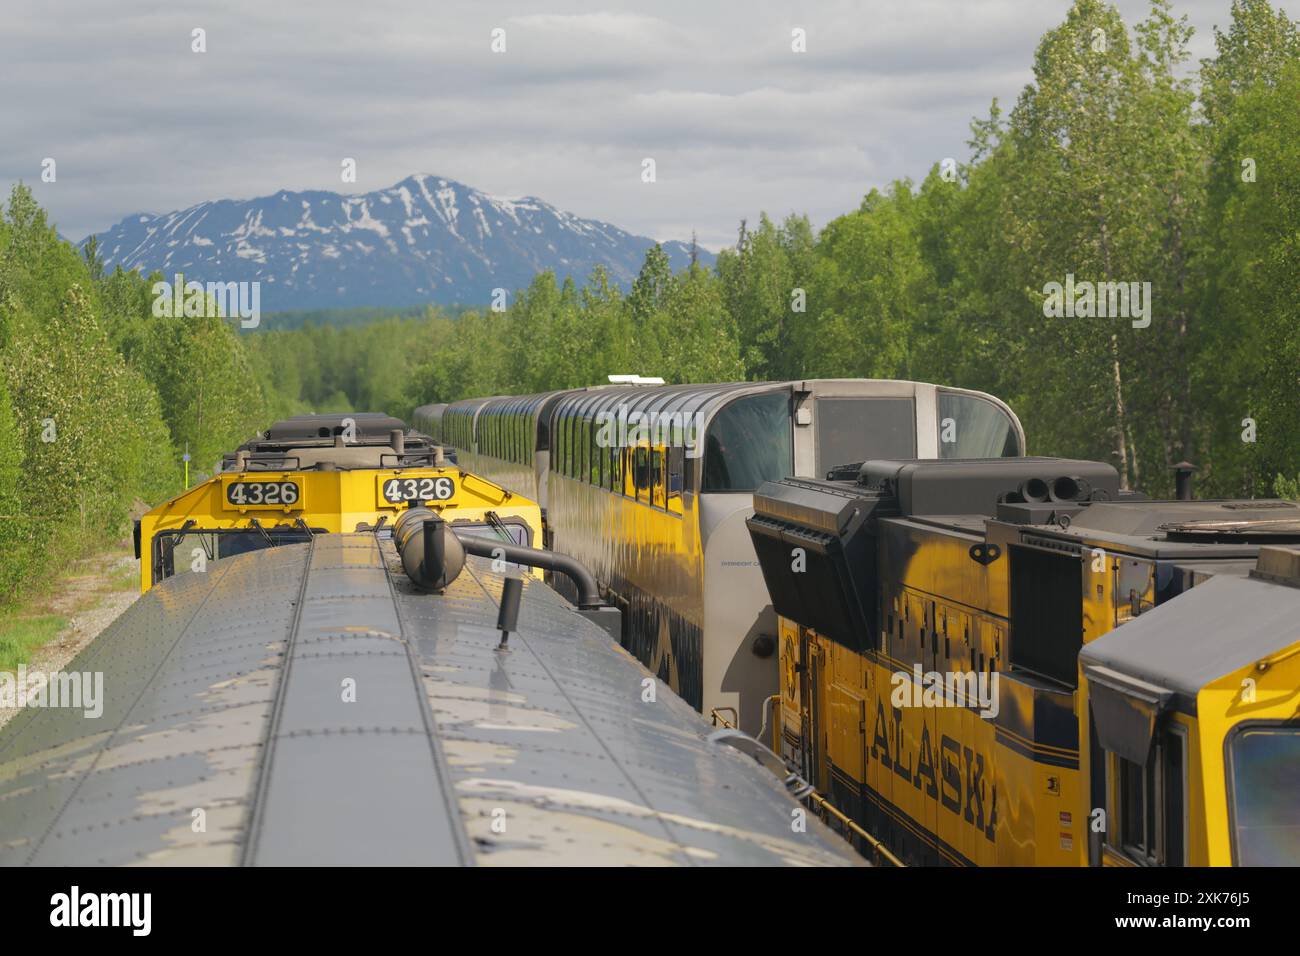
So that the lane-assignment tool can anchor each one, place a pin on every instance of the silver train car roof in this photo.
(226, 700)
(690, 398)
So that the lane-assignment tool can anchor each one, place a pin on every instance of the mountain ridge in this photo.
(425, 239)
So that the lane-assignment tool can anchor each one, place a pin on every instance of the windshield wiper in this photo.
(496, 524)
(254, 523)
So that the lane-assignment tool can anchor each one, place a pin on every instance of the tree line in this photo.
(1119, 166)
(100, 397)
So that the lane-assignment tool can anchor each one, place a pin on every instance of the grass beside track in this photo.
(19, 636)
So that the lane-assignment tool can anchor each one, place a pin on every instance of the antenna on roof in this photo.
(635, 380)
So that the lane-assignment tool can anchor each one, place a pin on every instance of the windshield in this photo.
(176, 551)
(1264, 771)
(974, 427)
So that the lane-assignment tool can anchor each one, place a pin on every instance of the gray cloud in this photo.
(735, 121)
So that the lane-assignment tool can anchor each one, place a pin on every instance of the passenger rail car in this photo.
(308, 705)
(650, 487)
(1016, 663)
(318, 474)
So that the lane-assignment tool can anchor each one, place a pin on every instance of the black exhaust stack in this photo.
(433, 556)
(508, 619)
(1183, 472)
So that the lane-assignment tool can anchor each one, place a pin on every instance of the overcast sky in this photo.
(736, 122)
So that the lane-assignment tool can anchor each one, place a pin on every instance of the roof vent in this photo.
(1279, 565)
(635, 380)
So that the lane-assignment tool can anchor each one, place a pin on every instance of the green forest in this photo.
(1121, 162)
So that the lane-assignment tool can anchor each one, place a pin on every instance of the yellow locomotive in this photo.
(322, 474)
(1014, 662)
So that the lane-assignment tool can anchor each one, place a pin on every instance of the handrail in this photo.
(583, 580)
(878, 848)
(772, 705)
(717, 717)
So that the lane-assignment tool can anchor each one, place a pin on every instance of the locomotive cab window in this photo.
(177, 551)
(1263, 780)
(1148, 817)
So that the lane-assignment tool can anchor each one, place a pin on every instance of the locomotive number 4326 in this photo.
(263, 494)
(397, 490)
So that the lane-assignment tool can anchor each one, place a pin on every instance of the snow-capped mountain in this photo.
(426, 239)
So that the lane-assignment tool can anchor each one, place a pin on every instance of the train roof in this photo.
(691, 399)
(226, 692)
(1238, 622)
(674, 397)
(1241, 625)
(367, 425)
(432, 411)
(967, 494)
(351, 440)
(1182, 531)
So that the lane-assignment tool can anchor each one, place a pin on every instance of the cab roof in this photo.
(1207, 633)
